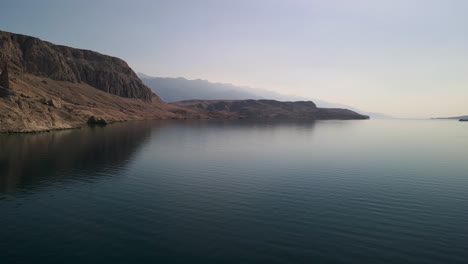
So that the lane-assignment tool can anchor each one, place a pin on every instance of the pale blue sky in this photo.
(407, 58)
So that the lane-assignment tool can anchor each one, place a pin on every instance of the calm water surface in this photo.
(237, 192)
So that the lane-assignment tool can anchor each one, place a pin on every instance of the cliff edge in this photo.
(31, 55)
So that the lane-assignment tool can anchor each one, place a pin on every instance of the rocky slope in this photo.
(26, 54)
(268, 109)
(42, 104)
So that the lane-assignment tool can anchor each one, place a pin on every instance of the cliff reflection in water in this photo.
(30, 160)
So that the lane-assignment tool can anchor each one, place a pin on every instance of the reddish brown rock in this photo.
(31, 55)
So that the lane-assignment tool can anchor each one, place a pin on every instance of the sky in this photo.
(406, 58)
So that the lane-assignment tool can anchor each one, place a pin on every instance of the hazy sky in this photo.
(407, 58)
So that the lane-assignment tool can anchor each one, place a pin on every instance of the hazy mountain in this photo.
(268, 109)
(181, 89)
(453, 117)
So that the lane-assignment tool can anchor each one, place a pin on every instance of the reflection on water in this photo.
(30, 159)
(237, 192)
(27, 160)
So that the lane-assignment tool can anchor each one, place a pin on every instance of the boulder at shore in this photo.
(97, 121)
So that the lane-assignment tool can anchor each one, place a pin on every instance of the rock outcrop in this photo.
(93, 120)
(268, 109)
(31, 55)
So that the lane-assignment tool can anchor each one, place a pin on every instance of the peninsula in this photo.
(44, 86)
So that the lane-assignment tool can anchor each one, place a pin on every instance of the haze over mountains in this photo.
(181, 89)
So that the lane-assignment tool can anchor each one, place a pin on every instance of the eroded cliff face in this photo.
(25, 54)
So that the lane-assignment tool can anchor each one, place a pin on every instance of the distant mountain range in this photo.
(453, 117)
(181, 89)
(268, 109)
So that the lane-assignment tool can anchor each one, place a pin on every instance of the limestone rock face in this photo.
(31, 55)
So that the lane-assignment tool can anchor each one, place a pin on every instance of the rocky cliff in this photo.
(26, 54)
(46, 86)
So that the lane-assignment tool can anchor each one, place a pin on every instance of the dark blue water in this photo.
(237, 192)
